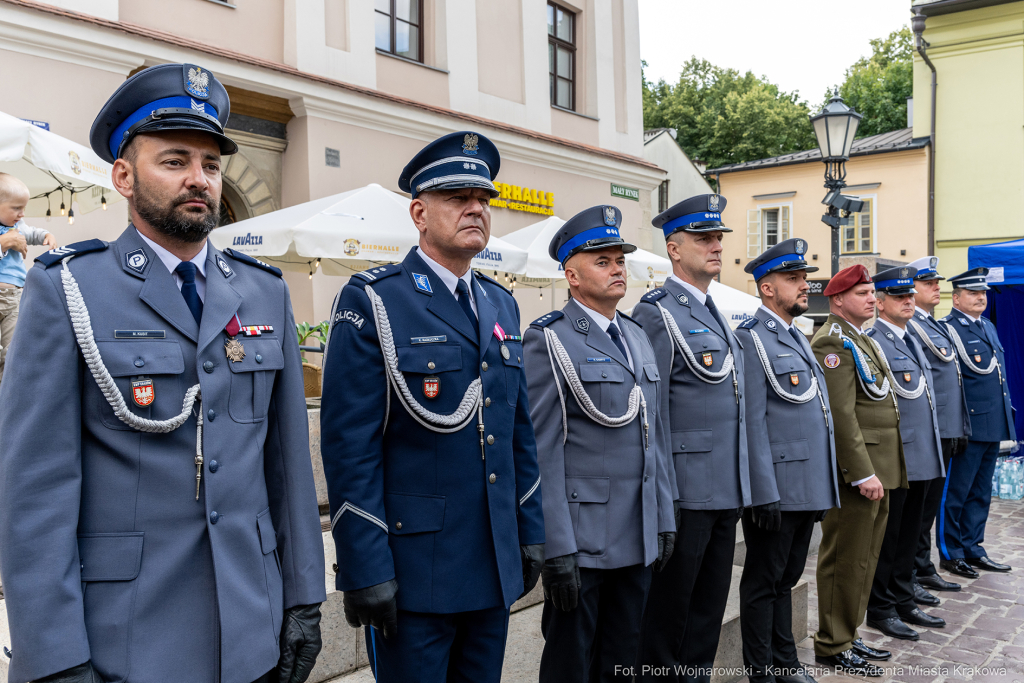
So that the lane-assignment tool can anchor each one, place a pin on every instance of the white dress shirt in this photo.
(977, 320)
(702, 297)
(172, 261)
(450, 279)
(899, 331)
(604, 323)
(922, 311)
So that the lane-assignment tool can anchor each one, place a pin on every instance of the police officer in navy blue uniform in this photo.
(427, 442)
(951, 405)
(608, 513)
(891, 606)
(159, 517)
(787, 407)
(968, 493)
(718, 471)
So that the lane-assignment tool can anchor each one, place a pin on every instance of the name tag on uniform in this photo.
(784, 355)
(436, 339)
(699, 331)
(139, 334)
(599, 360)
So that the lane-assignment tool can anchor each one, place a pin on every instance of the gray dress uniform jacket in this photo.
(800, 435)
(950, 401)
(608, 491)
(106, 554)
(716, 467)
(919, 425)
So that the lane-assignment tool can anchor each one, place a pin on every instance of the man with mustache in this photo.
(159, 517)
(427, 443)
(595, 401)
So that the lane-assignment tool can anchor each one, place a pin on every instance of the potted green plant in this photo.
(312, 374)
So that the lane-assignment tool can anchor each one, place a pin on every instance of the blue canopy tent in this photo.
(1005, 261)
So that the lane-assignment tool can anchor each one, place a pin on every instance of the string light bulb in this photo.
(310, 270)
(47, 208)
(103, 201)
(542, 295)
(71, 210)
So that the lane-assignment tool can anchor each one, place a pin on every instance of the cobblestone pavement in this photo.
(984, 635)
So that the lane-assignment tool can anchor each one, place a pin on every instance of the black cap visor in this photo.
(702, 226)
(929, 276)
(898, 291)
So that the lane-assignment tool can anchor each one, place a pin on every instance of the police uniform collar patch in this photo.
(136, 260)
(963, 321)
(53, 256)
(224, 267)
(770, 324)
(683, 299)
(890, 336)
(583, 324)
(422, 283)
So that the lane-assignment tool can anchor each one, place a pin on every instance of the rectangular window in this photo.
(663, 196)
(398, 27)
(561, 56)
(776, 226)
(857, 233)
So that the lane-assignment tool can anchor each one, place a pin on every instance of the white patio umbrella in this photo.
(47, 162)
(345, 233)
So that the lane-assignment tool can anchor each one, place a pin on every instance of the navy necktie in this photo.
(613, 332)
(710, 303)
(799, 337)
(463, 291)
(187, 271)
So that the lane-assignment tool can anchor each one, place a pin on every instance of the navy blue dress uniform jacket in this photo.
(608, 492)
(950, 402)
(408, 502)
(800, 435)
(988, 396)
(106, 555)
(717, 468)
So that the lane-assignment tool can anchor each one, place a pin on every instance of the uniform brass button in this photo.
(646, 478)
(208, 366)
(214, 517)
(214, 465)
(430, 365)
(490, 439)
(211, 415)
(604, 374)
(682, 446)
(398, 525)
(493, 478)
(846, 471)
(483, 366)
(487, 402)
(575, 495)
(782, 456)
(139, 362)
(259, 358)
(335, 568)
(518, 358)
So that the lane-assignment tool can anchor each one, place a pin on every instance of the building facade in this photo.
(331, 95)
(684, 179)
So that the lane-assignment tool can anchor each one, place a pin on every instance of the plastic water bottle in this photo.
(1000, 461)
(1018, 479)
(1006, 480)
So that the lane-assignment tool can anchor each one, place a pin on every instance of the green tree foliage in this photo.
(878, 86)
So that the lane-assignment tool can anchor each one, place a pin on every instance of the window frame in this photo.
(871, 202)
(556, 42)
(393, 27)
(757, 232)
(663, 201)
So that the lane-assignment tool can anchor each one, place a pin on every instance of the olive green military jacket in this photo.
(867, 431)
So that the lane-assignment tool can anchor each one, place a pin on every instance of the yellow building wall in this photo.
(900, 209)
(979, 174)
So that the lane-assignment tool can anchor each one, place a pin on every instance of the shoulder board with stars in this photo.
(748, 324)
(244, 258)
(870, 331)
(654, 295)
(630, 319)
(481, 276)
(57, 255)
(374, 274)
(547, 319)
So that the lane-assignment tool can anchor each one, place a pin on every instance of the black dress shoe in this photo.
(986, 564)
(937, 583)
(894, 628)
(923, 597)
(866, 652)
(919, 618)
(851, 663)
(959, 567)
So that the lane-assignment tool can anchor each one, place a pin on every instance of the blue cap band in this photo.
(763, 269)
(670, 226)
(143, 112)
(924, 271)
(886, 284)
(584, 237)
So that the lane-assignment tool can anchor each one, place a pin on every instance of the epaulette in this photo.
(492, 280)
(374, 274)
(870, 331)
(244, 258)
(748, 324)
(57, 255)
(630, 319)
(654, 295)
(547, 319)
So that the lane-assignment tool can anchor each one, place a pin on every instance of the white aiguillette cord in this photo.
(82, 325)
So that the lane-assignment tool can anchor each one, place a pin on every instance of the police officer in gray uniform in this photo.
(787, 407)
(594, 388)
(891, 606)
(718, 472)
(159, 518)
(951, 406)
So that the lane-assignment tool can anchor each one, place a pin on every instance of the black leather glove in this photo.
(300, 643)
(373, 606)
(820, 515)
(679, 516)
(961, 445)
(768, 517)
(561, 576)
(666, 544)
(83, 673)
(533, 558)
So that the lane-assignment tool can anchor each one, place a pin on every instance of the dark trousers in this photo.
(269, 677)
(966, 500)
(774, 562)
(683, 619)
(466, 647)
(892, 591)
(598, 640)
(923, 565)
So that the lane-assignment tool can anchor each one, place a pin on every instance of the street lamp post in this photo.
(835, 127)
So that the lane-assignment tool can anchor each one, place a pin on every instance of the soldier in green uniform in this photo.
(869, 452)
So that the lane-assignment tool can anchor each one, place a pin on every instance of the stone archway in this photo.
(251, 176)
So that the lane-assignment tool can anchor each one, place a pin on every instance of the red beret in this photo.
(846, 279)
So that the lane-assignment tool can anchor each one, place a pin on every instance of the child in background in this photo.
(15, 238)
